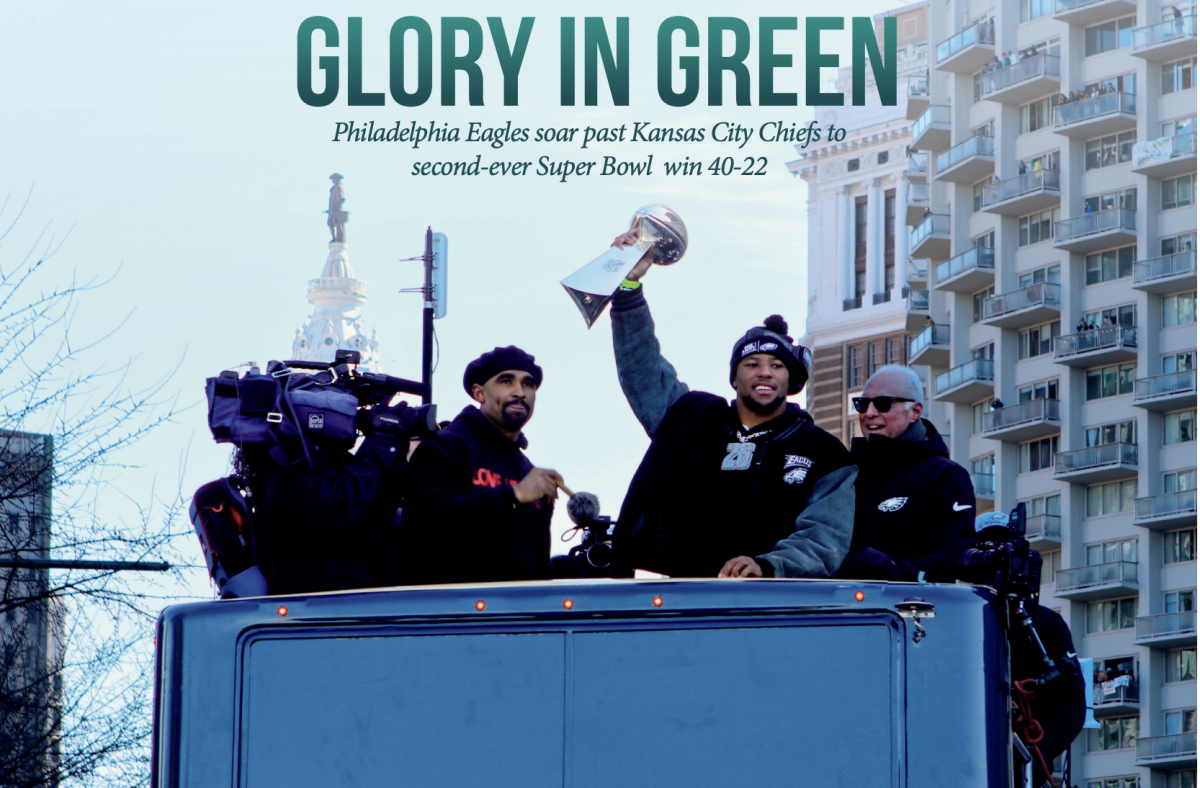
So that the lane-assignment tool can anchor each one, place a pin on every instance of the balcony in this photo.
(1033, 191)
(1116, 696)
(931, 347)
(1029, 306)
(967, 272)
(1044, 531)
(1166, 392)
(1097, 581)
(962, 53)
(917, 275)
(931, 131)
(1091, 232)
(968, 161)
(931, 238)
(851, 303)
(1094, 464)
(881, 298)
(1166, 157)
(1096, 347)
(1086, 12)
(1107, 113)
(918, 95)
(1167, 274)
(1165, 41)
(1023, 81)
(985, 487)
(1167, 630)
(1165, 511)
(917, 307)
(1024, 421)
(916, 205)
(918, 166)
(1162, 752)
(966, 383)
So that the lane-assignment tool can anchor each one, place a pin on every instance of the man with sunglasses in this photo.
(915, 507)
(751, 488)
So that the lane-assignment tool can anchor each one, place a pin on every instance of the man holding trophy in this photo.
(751, 488)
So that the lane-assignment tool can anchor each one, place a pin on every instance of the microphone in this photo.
(583, 508)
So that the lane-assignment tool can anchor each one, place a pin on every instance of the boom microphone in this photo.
(583, 508)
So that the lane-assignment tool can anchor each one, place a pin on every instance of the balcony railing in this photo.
(918, 192)
(1164, 148)
(918, 163)
(1071, 5)
(1171, 745)
(1095, 339)
(881, 298)
(918, 300)
(918, 85)
(972, 146)
(918, 268)
(1041, 65)
(1161, 385)
(934, 224)
(1096, 575)
(1043, 526)
(1122, 689)
(1022, 184)
(1166, 624)
(982, 33)
(1162, 267)
(937, 334)
(1041, 294)
(976, 369)
(1165, 504)
(1095, 107)
(984, 484)
(1095, 456)
(337, 283)
(935, 113)
(975, 257)
(1098, 222)
(1011, 416)
(1164, 31)
(852, 303)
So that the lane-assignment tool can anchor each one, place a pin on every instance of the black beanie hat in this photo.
(492, 363)
(772, 338)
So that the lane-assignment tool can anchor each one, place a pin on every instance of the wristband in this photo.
(628, 284)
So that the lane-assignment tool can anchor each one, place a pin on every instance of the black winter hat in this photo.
(492, 363)
(772, 337)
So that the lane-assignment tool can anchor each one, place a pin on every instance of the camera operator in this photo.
(324, 521)
(1048, 685)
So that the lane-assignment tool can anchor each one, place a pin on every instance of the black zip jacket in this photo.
(914, 509)
(461, 520)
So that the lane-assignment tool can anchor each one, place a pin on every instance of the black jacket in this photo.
(461, 521)
(319, 528)
(1061, 705)
(914, 509)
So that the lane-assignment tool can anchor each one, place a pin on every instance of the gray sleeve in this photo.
(649, 381)
(822, 537)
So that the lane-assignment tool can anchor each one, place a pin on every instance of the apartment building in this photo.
(1050, 199)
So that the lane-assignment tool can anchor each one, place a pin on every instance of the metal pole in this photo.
(427, 325)
(52, 563)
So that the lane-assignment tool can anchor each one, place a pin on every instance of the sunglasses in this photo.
(882, 404)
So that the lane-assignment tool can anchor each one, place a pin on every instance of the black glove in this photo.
(402, 422)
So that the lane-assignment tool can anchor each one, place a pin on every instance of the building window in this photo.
(1124, 198)
(1179, 309)
(1110, 265)
(1033, 9)
(1110, 381)
(1179, 601)
(1178, 481)
(1185, 778)
(977, 195)
(979, 413)
(1111, 498)
(852, 165)
(1037, 341)
(1038, 455)
(1114, 782)
(1107, 36)
(1181, 666)
(1179, 546)
(1178, 192)
(1111, 615)
(1038, 115)
(882, 158)
(1036, 227)
(1050, 274)
(1051, 563)
(1124, 315)
(1179, 427)
(1173, 128)
(1114, 733)
(1178, 243)
(1109, 151)
(1116, 432)
(1046, 389)
(872, 358)
(854, 363)
(1179, 75)
(984, 352)
(1179, 362)
(895, 351)
(977, 303)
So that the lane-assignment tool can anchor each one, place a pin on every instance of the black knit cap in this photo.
(772, 337)
(492, 363)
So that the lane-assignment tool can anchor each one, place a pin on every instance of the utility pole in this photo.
(427, 322)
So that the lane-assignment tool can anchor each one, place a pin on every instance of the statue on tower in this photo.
(337, 217)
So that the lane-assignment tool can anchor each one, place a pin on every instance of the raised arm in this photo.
(649, 381)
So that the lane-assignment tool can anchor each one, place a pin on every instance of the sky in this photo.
(171, 140)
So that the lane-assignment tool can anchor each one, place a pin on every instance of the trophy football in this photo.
(659, 229)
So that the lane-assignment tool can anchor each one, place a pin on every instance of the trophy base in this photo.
(591, 306)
